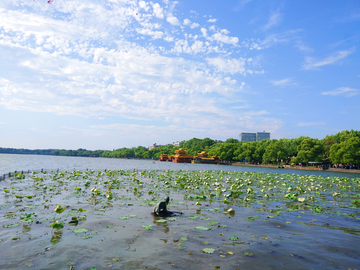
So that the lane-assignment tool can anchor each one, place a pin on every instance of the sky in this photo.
(107, 74)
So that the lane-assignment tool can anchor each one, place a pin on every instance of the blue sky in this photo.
(123, 73)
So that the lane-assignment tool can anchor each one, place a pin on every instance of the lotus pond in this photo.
(232, 220)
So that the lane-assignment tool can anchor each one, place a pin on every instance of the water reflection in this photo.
(162, 224)
(26, 228)
(327, 225)
(56, 236)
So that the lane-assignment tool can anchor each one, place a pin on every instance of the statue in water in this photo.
(161, 210)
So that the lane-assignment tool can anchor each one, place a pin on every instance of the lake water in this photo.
(11, 163)
(265, 231)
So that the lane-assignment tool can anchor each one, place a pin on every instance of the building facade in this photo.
(253, 137)
(249, 137)
(262, 135)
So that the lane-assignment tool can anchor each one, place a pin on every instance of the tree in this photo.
(276, 151)
(195, 145)
(231, 140)
(246, 151)
(346, 152)
(328, 141)
(225, 151)
(309, 150)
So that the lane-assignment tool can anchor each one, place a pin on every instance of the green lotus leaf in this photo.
(202, 228)
(161, 220)
(147, 227)
(80, 230)
(208, 250)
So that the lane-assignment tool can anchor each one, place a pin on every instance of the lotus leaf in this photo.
(80, 230)
(202, 228)
(208, 250)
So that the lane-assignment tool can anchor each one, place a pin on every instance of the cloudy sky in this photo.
(105, 74)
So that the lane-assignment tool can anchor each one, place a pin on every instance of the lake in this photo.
(11, 163)
(233, 217)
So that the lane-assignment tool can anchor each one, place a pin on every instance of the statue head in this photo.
(167, 199)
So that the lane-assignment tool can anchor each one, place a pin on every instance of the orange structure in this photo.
(203, 158)
(165, 157)
(181, 157)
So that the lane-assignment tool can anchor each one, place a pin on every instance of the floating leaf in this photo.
(123, 218)
(147, 227)
(59, 209)
(109, 226)
(193, 217)
(181, 247)
(28, 218)
(212, 223)
(161, 220)
(253, 218)
(183, 239)
(208, 250)
(202, 228)
(57, 225)
(86, 237)
(231, 211)
(80, 230)
(11, 225)
(233, 238)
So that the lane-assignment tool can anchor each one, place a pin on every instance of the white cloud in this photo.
(212, 20)
(187, 22)
(144, 6)
(154, 34)
(225, 39)
(172, 20)
(158, 11)
(270, 40)
(204, 32)
(194, 25)
(191, 25)
(231, 66)
(283, 83)
(347, 91)
(274, 20)
(312, 63)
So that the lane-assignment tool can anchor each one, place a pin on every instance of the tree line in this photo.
(341, 148)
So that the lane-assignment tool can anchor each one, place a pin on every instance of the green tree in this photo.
(309, 150)
(276, 151)
(346, 152)
(225, 151)
(328, 141)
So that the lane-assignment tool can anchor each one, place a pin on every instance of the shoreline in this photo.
(300, 168)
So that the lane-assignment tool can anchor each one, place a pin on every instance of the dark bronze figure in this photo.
(160, 209)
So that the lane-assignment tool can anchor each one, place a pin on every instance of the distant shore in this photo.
(308, 168)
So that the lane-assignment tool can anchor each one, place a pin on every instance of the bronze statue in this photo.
(161, 210)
